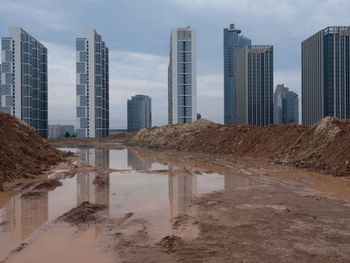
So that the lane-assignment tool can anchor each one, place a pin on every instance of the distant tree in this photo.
(67, 135)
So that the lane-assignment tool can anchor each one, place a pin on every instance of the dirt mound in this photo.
(23, 153)
(323, 146)
(83, 214)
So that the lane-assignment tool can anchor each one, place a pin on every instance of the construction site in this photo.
(196, 192)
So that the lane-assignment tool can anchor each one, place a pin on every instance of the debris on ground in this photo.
(171, 243)
(325, 146)
(23, 153)
(33, 190)
(85, 213)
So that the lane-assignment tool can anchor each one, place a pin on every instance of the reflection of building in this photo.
(59, 131)
(136, 163)
(23, 90)
(95, 157)
(139, 113)
(24, 216)
(182, 189)
(232, 182)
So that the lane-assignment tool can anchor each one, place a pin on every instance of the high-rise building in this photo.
(285, 105)
(254, 97)
(326, 74)
(277, 103)
(290, 107)
(233, 42)
(24, 79)
(182, 76)
(92, 73)
(139, 113)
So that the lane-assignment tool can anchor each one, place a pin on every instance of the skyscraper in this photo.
(139, 113)
(24, 79)
(254, 98)
(290, 107)
(233, 42)
(285, 105)
(277, 103)
(92, 75)
(182, 76)
(326, 74)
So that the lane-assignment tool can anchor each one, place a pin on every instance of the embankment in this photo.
(23, 153)
(325, 146)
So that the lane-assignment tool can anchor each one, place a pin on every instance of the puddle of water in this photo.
(155, 197)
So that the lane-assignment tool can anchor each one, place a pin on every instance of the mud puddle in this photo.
(158, 192)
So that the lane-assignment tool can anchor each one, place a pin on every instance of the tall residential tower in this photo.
(233, 42)
(254, 98)
(23, 91)
(139, 113)
(182, 76)
(92, 73)
(326, 74)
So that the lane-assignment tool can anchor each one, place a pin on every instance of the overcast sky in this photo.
(137, 33)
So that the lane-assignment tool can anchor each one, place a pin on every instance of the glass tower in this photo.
(233, 42)
(254, 98)
(23, 90)
(326, 74)
(139, 113)
(182, 76)
(92, 73)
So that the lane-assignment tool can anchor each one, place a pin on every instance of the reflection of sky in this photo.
(154, 197)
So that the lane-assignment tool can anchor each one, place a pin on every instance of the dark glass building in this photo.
(233, 42)
(254, 98)
(325, 74)
(139, 113)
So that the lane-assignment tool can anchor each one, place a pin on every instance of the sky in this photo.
(137, 33)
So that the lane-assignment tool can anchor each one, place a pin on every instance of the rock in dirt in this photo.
(85, 213)
(23, 153)
(324, 146)
(171, 243)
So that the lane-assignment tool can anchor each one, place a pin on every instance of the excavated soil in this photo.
(325, 146)
(23, 153)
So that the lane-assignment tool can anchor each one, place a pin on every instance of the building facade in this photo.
(233, 42)
(182, 76)
(254, 98)
(290, 107)
(59, 131)
(139, 113)
(277, 103)
(326, 74)
(92, 89)
(24, 79)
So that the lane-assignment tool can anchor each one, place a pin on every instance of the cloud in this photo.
(43, 13)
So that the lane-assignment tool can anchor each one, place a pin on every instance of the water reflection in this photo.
(157, 197)
(137, 163)
(22, 217)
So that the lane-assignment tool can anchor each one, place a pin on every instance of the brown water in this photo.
(157, 197)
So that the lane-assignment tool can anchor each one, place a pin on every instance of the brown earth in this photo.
(325, 146)
(23, 153)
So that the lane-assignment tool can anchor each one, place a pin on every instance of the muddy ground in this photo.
(287, 214)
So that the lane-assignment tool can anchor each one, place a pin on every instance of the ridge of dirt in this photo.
(23, 153)
(325, 146)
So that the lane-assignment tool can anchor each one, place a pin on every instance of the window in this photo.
(83, 56)
(80, 67)
(8, 78)
(9, 101)
(8, 55)
(83, 100)
(5, 89)
(6, 67)
(6, 44)
(80, 45)
(80, 89)
(81, 112)
(83, 123)
(83, 78)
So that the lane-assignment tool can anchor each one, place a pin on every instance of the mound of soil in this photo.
(324, 146)
(23, 153)
(83, 214)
